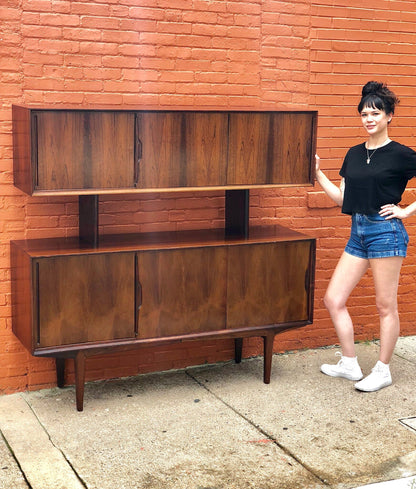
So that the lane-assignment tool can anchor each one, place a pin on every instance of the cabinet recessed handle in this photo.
(139, 149)
(307, 279)
(139, 296)
(139, 153)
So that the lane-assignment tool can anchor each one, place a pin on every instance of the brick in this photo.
(38, 5)
(29, 31)
(146, 13)
(97, 22)
(137, 50)
(202, 17)
(59, 20)
(121, 37)
(104, 73)
(211, 6)
(320, 200)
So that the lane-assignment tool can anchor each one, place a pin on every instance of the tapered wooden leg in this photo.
(60, 372)
(238, 349)
(268, 356)
(79, 379)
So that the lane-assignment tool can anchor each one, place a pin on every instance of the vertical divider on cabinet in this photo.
(139, 294)
(88, 219)
(311, 278)
(34, 151)
(37, 302)
(138, 149)
(237, 207)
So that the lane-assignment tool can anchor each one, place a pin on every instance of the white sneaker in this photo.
(347, 368)
(380, 377)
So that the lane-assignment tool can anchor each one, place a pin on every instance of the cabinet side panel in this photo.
(22, 162)
(85, 150)
(22, 307)
(311, 280)
(86, 298)
(268, 284)
(183, 291)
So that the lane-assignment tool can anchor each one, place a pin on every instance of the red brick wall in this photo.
(199, 53)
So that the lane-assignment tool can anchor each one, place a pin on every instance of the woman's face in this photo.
(375, 121)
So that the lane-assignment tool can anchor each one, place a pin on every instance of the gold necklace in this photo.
(369, 156)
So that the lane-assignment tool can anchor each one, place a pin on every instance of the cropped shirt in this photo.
(382, 181)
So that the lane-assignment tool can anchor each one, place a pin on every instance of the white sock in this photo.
(383, 366)
(350, 360)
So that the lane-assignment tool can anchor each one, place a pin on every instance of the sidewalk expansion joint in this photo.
(82, 482)
(263, 432)
(16, 460)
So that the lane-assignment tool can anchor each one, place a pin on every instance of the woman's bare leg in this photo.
(386, 273)
(346, 276)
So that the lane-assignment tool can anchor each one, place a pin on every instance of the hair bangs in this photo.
(372, 101)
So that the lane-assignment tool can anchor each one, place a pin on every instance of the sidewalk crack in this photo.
(263, 432)
(84, 484)
(16, 460)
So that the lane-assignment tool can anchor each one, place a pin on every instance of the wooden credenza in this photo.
(76, 297)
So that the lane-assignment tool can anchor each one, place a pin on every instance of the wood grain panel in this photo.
(22, 164)
(270, 148)
(266, 284)
(22, 305)
(85, 298)
(84, 149)
(183, 291)
(182, 149)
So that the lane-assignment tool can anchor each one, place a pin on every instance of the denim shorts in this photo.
(373, 236)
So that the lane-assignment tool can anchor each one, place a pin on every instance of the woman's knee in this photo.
(332, 302)
(387, 307)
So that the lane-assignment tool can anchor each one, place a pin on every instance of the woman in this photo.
(374, 177)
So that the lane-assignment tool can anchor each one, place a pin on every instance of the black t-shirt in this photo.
(382, 181)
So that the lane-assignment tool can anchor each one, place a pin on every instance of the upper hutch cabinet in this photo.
(105, 151)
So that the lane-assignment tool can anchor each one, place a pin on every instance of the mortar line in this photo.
(263, 432)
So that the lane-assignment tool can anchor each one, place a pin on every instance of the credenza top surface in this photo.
(45, 247)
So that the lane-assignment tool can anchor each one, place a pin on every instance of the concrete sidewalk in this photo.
(218, 427)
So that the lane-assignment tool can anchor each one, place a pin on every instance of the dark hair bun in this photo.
(373, 87)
